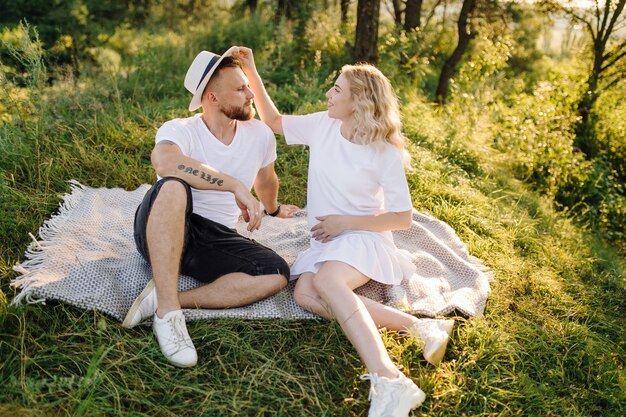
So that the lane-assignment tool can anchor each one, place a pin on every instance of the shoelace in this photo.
(373, 378)
(178, 331)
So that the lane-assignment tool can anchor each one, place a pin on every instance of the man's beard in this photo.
(238, 113)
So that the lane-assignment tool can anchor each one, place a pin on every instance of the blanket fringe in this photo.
(35, 242)
(28, 298)
(36, 258)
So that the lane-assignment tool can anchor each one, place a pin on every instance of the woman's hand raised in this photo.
(246, 57)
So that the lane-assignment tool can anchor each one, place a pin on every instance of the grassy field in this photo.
(552, 341)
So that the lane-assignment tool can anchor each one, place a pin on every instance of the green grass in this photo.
(552, 341)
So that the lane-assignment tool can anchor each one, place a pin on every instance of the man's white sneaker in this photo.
(143, 307)
(176, 345)
(434, 335)
(393, 397)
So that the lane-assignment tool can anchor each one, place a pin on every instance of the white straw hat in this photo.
(199, 73)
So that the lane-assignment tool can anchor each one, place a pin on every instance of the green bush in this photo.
(538, 128)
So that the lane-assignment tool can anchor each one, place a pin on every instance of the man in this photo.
(206, 165)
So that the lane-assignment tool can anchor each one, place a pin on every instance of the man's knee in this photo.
(271, 285)
(174, 193)
(166, 191)
(268, 262)
(280, 280)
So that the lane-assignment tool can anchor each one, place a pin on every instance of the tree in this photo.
(397, 12)
(451, 63)
(287, 9)
(608, 64)
(366, 39)
(251, 5)
(412, 14)
(526, 24)
(345, 4)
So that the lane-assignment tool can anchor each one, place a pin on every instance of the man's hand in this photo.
(329, 227)
(249, 206)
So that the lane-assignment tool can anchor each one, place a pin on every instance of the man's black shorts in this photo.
(211, 249)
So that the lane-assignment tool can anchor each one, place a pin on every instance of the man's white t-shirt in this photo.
(252, 148)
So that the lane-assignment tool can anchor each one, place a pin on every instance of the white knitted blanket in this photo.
(86, 257)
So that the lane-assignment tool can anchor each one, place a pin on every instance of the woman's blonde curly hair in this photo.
(376, 109)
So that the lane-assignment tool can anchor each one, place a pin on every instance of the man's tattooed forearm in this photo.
(203, 175)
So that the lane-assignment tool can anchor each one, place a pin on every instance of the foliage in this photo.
(611, 108)
(411, 53)
(22, 46)
(73, 31)
(68, 28)
(538, 129)
(526, 25)
(606, 63)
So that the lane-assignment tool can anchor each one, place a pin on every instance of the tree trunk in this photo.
(366, 39)
(585, 128)
(412, 15)
(345, 4)
(397, 12)
(190, 8)
(251, 5)
(450, 65)
(286, 9)
(170, 9)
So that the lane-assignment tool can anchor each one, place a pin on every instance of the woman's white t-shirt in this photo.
(350, 179)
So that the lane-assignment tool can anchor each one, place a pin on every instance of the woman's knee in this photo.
(303, 293)
(335, 279)
(325, 284)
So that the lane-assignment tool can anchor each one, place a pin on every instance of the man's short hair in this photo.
(227, 62)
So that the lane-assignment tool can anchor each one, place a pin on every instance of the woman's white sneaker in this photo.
(393, 397)
(176, 345)
(434, 335)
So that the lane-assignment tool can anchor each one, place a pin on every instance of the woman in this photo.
(357, 194)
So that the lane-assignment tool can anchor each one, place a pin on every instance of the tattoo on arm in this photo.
(203, 175)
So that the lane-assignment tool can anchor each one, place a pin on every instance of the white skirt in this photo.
(373, 254)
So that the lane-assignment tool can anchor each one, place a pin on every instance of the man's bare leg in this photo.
(165, 237)
(233, 290)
